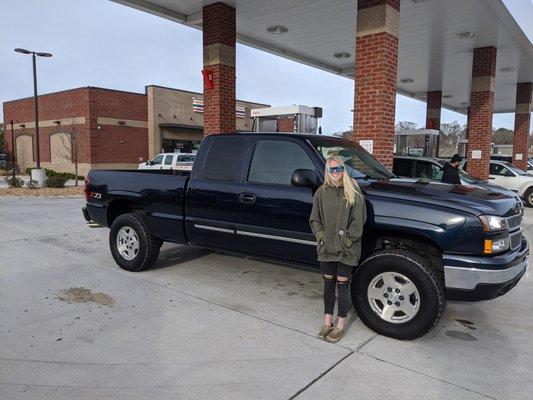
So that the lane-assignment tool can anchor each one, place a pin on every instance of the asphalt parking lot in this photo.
(203, 325)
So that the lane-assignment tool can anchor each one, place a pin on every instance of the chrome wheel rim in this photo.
(127, 243)
(393, 297)
(530, 199)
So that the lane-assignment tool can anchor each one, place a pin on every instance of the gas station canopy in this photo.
(436, 40)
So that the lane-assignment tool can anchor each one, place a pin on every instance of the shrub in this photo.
(14, 182)
(33, 184)
(56, 181)
(50, 173)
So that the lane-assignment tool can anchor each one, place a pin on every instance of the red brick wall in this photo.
(219, 24)
(110, 144)
(480, 114)
(375, 92)
(219, 102)
(522, 121)
(115, 143)
(53, 106)
(484, 61)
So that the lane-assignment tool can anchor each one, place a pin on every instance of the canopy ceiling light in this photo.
(342, 55)
(505, 70)
(277, 29)
(465, 35)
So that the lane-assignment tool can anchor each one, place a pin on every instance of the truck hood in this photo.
(475, 200)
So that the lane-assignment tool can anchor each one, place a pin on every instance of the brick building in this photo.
(106, 128)
(102, 128)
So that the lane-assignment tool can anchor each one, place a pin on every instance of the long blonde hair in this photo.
(352, 192)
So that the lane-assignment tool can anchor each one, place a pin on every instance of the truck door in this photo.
(273, 217)
(213, 194)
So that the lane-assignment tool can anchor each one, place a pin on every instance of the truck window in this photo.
(274, 162)
(402, 167)
(436, 172)
(168, 159)
(224, 159)
(158, 160)
(423, 169)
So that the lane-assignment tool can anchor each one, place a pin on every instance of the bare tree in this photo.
(70, 148)
(402, 126)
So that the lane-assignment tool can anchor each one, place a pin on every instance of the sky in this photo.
(102, 43)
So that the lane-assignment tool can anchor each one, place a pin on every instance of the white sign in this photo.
(476, 154)
(368, 145)
(518, 156)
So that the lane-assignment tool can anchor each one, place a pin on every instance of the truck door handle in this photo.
(247, 198)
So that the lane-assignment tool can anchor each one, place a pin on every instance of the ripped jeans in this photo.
(331, 271)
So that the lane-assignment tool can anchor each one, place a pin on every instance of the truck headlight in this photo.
(493, 246)
(493, 223)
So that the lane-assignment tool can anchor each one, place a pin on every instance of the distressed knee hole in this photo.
(328, 277)
(342, 281)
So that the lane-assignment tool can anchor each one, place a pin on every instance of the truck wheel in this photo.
(132, 245)
(528, 197)
(396, 293)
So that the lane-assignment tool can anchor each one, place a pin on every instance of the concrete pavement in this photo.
(203, 325)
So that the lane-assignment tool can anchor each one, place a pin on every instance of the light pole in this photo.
(36, 103)
(12, 149)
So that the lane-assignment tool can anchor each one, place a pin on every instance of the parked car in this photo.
(252, 194)
(507, 175)
(430, 168)
(509, 159)
(3, 161)
(175, 161)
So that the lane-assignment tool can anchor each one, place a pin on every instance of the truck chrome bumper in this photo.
(469, 278)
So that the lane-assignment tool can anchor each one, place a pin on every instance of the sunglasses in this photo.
(338, 168)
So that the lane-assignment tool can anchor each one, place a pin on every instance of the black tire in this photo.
(148, 248)
(418, 270)
(528, 198)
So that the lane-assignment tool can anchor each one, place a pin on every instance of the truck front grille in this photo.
(514, 222)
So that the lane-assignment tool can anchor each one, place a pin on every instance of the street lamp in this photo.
(37, 142)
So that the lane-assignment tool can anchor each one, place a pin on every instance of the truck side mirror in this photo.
(304, 178)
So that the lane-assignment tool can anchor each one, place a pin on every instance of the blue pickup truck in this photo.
(250, 193)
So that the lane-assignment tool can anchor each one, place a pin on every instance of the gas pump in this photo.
(289, 119)
(422, 142)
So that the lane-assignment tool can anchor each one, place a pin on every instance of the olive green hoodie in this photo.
(337, 226)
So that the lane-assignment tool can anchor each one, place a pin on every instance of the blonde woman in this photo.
(337, 221)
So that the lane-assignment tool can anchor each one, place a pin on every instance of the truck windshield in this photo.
(360, 164)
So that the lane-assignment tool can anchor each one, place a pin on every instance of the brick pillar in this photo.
(480, 112)
(433, 106)
(521, 124)
(219, 60)
(376, 64)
